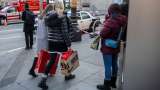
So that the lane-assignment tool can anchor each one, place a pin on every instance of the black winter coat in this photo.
(58, 31)
(27, 28)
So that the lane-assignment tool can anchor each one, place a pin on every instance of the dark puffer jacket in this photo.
(110, 31)
(57, 29)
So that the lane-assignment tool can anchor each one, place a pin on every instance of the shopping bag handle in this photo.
(70, 49)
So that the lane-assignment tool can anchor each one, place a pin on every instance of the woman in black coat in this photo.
(58, 39)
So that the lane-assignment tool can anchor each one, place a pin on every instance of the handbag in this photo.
(111, 43)
(95, 44)
(114, 43)
(69, 62)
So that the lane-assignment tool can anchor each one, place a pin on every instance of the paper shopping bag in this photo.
(69, 62)
(43, 58)
(95, 44)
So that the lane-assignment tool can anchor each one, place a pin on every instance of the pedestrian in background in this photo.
(3, 20)
(41, 37)
(58, 39)
(112, 26)
(29, 20)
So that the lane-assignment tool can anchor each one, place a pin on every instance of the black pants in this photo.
(51, 63)
(54, 46)
(29, 39)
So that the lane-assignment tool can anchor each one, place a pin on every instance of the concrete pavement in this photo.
(88, 75)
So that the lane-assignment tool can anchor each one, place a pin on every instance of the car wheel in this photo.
(91, 27)
(97, 23)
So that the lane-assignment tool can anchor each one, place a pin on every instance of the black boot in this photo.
(31, 71)
(30, 47)
(69, 77)
(43, 84)
(105, 86)
(113, 82)
(26, 48)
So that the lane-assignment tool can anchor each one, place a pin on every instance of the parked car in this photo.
(86, 22)
(97, 13)
(11, 13)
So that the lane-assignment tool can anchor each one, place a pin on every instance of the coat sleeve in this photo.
(105, 31)
(71, 29)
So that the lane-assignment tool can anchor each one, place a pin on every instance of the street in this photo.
(12, 42)
(15, 63)
(11, 38)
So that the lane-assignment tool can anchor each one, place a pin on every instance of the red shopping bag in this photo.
(66, 55)
(43, 58)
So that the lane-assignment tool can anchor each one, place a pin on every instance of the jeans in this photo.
(111, 65)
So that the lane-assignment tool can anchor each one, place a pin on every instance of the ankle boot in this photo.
(31, 71)
(105, 86)
(43, 84)
(71, 76)
(113, 82)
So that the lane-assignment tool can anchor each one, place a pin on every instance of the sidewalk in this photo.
(88, 75)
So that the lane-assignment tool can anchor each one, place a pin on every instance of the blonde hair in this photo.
(59, 6)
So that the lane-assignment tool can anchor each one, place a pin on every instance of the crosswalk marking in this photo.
(10, 51)
(11, 37)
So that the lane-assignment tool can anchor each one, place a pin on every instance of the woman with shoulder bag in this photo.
(111, 30)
